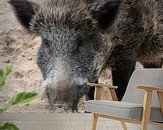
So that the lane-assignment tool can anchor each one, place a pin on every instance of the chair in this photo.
(141, 104)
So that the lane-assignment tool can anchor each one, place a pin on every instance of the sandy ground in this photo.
(20, 49)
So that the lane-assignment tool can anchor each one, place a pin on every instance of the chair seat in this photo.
(131, 111)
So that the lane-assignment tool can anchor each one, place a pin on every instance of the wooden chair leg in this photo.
(114, 98)
(94, 121)
(124, 125)
(146, 110)
(160, 97)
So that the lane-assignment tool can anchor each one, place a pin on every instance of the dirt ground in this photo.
(20, 49)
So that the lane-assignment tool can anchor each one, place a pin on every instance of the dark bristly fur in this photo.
(138, 31)
(80, 38)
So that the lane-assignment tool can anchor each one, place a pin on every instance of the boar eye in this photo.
(80, 47)
(46, 43)
(79, 42)
(47, 46)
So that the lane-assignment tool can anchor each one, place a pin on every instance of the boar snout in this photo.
(63, 96)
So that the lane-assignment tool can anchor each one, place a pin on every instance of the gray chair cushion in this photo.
(125, 110)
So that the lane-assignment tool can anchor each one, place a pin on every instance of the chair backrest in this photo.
(143, 77)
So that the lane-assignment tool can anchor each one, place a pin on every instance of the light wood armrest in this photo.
(102, 85)
(98, 90)
(147, 88)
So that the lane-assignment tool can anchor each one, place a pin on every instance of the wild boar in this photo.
(80, 38)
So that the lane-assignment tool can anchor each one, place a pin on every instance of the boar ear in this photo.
(24, 10)
(105, 12)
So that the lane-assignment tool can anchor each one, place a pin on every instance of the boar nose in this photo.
(60, 104)
(60, 107)
(60, 110)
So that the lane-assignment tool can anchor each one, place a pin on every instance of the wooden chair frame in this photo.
(146, 107)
